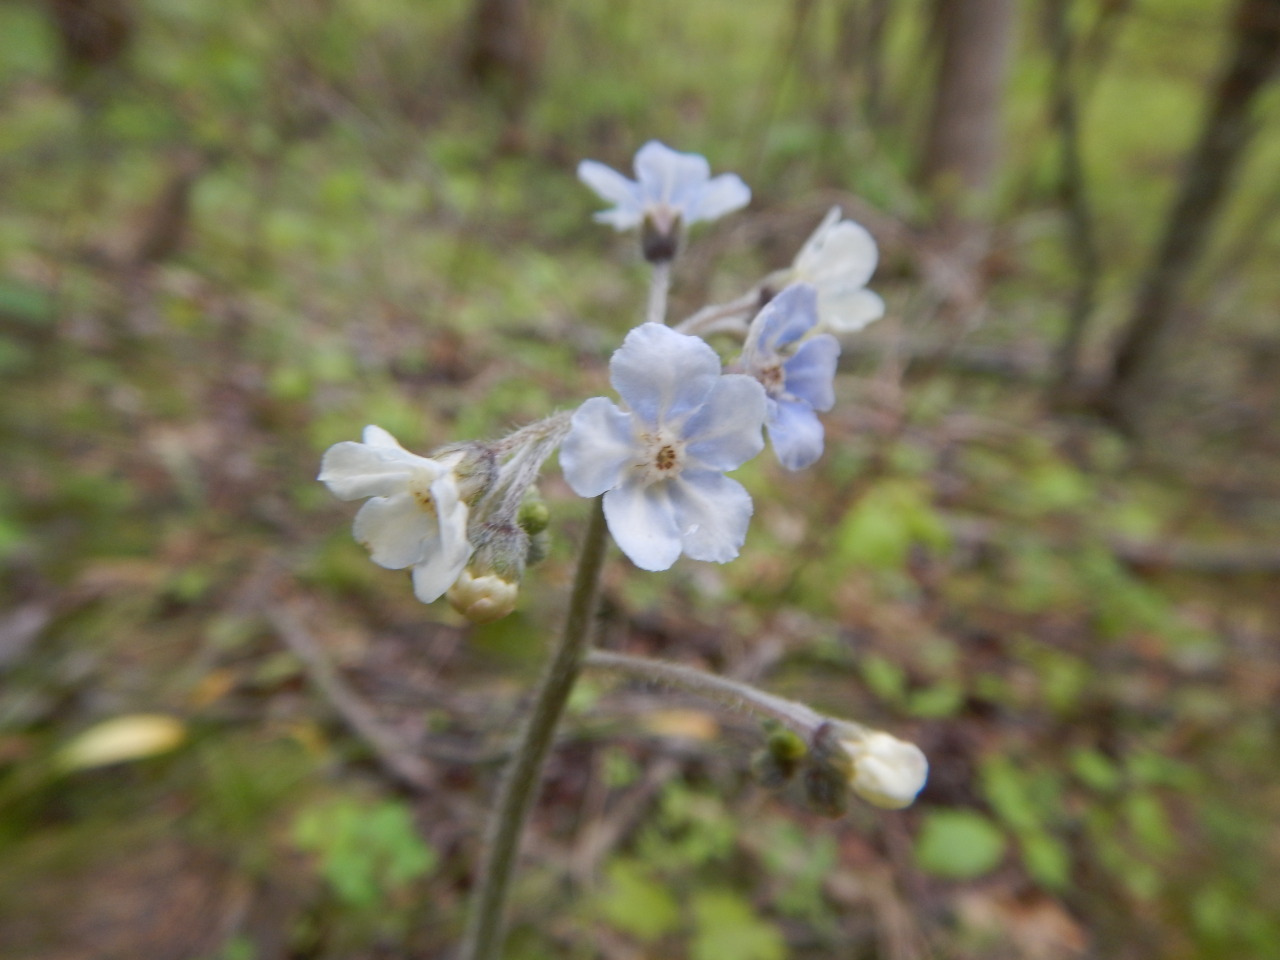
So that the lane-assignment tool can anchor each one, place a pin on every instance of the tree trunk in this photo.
(1229, 124)
(962, 146)
(502, 52)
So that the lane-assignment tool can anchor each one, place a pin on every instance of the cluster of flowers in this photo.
(467, 520)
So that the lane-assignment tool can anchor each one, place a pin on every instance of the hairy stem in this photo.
(659, 285)
(485, 925)
(729, 693)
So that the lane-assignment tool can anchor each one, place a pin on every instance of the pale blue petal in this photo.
(599, 445)
(725, 194)
(795, 432)
(785, 319)
(848, 310)
(612, 186)
(353, 470)
(809, 373)
(713, 513)
(643, 522)
(726, 433)
(667, 176)
(395, 531)
(663, 375)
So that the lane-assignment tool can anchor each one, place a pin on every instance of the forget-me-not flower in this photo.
(838, 260)
(660, 463)
(670, 189)
(415, 516)
(797, 382)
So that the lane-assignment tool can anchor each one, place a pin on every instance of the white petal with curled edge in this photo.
(599, 446)
(810, 373)
(444, 560)
(713, 513)
(724, 194)
(353, 470)
(796, 434)
(842, 253)
(848, 310)
(643, 523)
(668, 176)
(726, 432)
(663, 375)
(395, 530)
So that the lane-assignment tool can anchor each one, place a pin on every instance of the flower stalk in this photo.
(486, 923)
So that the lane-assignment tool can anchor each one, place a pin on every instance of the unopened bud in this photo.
(660, 235)
(886, 771)
(483, 599)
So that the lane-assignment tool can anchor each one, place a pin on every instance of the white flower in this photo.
(838, 260)
(415, 516)
(669, 186)
(660, 464)
(887, 772)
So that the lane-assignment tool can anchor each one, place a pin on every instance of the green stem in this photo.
(485, 926)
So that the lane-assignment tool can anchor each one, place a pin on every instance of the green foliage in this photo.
(367, 851)
(883, 525)
(958, 844)
(635, 903)
(727, 926)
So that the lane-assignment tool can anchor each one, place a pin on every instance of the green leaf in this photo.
(958, 844)
(636, 904)
(1046, 859)
(727, 926)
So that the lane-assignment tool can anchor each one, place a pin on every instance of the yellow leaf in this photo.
(131, 737)
(687, 724)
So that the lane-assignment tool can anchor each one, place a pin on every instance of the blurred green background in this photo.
(233, 233)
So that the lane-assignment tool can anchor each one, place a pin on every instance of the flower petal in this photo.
(616, 189)
(795, 432)
(599, 445)
(713, 513)
(785, 319)
(643, 523)
(848, 310)
(844, 252)
(442, 566)
(395, 530)
(661, 374)
(809, 373)
(725, 433)
(724, 194)
(670, 177)
(353, 470)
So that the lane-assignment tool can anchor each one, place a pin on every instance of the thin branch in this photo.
(395, 756)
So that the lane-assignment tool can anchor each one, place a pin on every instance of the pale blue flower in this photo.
(798, 382)
(415, 516)
(670, 188)
(660, 463)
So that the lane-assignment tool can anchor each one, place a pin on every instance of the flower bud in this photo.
(886, 771)
(483, 599)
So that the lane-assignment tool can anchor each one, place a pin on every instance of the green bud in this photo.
(534, 516)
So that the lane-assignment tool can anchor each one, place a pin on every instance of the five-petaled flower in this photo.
(798, 382)
(660, 464)
(838, 260)
(415, 516)
(670, 189)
